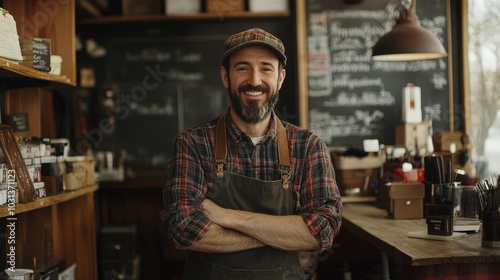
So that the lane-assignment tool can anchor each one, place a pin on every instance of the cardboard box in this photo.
(406, 200)
(411, 135)
(351, 162)
(356, 181)
(356, 175)
(76, 173)
(179, 7)
(414, 175)
(268, 6)
(222, 7)
(443, 139)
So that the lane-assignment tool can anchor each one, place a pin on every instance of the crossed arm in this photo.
(235, 230)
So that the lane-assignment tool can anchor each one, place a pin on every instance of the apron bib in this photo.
(235, 191)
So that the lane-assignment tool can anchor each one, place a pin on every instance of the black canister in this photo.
(490, 236)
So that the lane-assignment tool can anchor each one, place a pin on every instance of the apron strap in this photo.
(220, 145)
(283, 152)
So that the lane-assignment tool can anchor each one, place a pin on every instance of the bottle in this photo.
(430, 145)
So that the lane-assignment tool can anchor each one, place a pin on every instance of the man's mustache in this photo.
(262, 88)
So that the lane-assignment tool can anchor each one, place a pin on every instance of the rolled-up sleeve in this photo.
(183, 193)
(321, 205)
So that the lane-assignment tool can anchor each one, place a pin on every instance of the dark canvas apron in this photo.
(239, 192)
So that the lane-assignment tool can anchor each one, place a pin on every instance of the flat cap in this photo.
(254, 36)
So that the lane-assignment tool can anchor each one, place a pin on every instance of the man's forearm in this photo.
(222, 240)
(283, 232)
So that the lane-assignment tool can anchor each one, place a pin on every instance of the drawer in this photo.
(118, 242)
(120, 269)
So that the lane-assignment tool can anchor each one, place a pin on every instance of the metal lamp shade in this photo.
(408, 40)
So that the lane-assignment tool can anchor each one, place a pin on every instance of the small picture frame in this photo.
(11, 156)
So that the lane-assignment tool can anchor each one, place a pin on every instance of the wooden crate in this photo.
(222, 7)
(443, 139)
(362, 179)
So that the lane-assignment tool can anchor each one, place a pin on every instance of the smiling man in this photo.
(247, 192)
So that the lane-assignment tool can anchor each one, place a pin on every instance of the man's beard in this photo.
(252, 113)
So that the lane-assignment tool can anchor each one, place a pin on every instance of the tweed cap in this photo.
(254, 36)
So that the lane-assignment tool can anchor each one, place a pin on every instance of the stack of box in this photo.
(222, 7)
(412, 133)
(31, 151)
(51, 170)
(356, 175)
(118, 253)
(403, 191)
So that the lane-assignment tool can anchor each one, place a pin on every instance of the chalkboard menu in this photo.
(351, 97)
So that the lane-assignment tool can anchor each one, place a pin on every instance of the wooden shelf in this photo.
(86, 9)
(120, 19)
(48, 201)
(60, 226)
(15, 76)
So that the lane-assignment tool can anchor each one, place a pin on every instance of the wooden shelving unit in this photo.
(47, 201)
(14, 75)
(60, 226)
(119, 19)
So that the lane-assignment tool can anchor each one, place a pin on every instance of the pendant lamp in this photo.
(408, 40)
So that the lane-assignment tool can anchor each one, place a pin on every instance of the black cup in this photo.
(490, 236)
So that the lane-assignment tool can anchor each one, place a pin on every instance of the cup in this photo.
(469, 203)
(490, 232)
(449, 194)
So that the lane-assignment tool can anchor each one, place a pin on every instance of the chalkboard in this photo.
(350, 97)
(165, 76)
(164, 86)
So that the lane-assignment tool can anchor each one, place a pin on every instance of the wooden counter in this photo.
(420, 258)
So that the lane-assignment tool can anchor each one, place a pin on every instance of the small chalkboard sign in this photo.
(19, 122)
(36, 53)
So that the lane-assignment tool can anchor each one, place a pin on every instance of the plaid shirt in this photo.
(191, 170)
